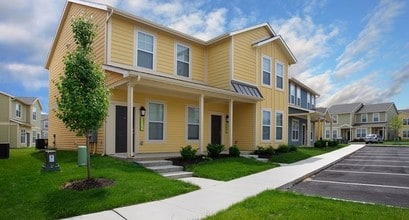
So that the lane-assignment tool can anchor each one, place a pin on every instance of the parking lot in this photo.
(373, 174)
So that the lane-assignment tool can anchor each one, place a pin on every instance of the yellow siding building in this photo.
(404, 132)
(169, 89)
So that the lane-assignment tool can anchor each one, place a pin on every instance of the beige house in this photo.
(20, 120)
(170, 89)
(404, 132)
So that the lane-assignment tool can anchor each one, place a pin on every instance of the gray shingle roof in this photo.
(404, 110)
(344, 108)
(321, 109)
(246, 89)
(27, 100)
(380, 107)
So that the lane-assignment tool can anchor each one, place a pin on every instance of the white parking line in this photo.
(393, 161)
(373, 165)
(362, 172)
(383, 157)
(359, 184)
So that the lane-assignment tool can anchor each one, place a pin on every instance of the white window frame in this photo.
(269, 72)
(334, 131)
(361, 133)
(137, 48)
(292, 93)
(34, 136)
(298, 96)
(362, 118)
(295, 130)
(188, 62)
(405, 134)
(279, 126)
(327, 134)
(34, 114)
(277, 62)
(312, 101)
(378, 116)
(265, 125)
(23, 136)
(405, 121)
(18, 110)
(45, 124)
(163, 122)
(308, 100)
(336, 119)
(189, 123)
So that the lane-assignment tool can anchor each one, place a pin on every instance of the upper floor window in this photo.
(279, 75)
(308, 100)
(145, 45)
(34, 113)
(406, 121)
(298, 96)
(183, 60)
(376, 117)
(156, 121)
(45, 124)
(193, 123)
(364, 118)
(292, 93)
(266, 75)
(18, 110)
(335, 119)
(313, 101)
(266, 125)
(279, 126)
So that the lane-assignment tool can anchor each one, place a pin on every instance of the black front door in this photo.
(121, 135)
(216, 129)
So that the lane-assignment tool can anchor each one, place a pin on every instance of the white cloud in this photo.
(32, 77)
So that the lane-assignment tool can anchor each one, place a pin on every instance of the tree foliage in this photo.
(395, 125)
(83, 97)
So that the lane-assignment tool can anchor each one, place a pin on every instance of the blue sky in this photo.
(348, 51)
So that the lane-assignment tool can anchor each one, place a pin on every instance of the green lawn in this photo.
(395, 143)
(302, 153)
(27, 193)
(286, 205)
(229, 168)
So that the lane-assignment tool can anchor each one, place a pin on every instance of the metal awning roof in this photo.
(246, 89)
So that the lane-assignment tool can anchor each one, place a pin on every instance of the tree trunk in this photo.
(88, 157)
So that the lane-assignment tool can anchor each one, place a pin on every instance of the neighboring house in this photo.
(404, 132)
(302, 114)
(20, 120)
(354, 121)
(169, 89)
(44, 125)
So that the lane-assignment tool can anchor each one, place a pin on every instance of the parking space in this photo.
(373, 174)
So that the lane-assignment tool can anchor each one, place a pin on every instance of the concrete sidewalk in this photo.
(215, 196)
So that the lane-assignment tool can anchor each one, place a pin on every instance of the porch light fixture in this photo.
(142, 110)
(227, 119)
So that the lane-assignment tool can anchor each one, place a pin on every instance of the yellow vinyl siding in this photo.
(122, 41)
(165, 53)
(218, 67)
(111, 78)
(197, 59)
(65, 42)
(243, 125)
(245, 55)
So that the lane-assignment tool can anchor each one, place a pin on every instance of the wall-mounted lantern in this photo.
(227, 119)
(142, 112)
(227, 124)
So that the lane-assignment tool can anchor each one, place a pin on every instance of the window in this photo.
(295, 129)
(144, 54)
(364, 118)
(266, 125)
(334, 134)
(279, 75)
(22, 136)
(361, 132)
(335, 119)
(308, 100)
(193, 123)
(298, 96)
(183, 60)
(375, 117)
(34, 113)
(313, 101)
(34, 136)
(156, 121)
(45, 123)
(406, 121)
(279, 126)
(327, 134)
(266, 75)
(292, 93)
(18, 110)
(405, 134)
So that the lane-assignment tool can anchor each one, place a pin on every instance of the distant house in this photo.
(404, 115)
(170, 89)
(355, 120)
(20, 120)
(44, 125)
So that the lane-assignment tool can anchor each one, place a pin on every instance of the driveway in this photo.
(373, 174)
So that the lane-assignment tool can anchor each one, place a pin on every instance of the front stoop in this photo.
(165, 168)
(254, 157)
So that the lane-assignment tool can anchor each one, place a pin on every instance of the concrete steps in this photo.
(253, 156)
(165, 168)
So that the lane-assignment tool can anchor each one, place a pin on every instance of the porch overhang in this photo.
(371, 125)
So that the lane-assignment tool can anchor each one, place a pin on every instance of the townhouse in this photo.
(404, 132)
(169, 89)
(20, 120)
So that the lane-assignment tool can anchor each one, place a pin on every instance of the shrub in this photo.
(188, 152)
(333, 143)
(320, 143)
(234, 151)
(214, 150)
(265, 152)
(292, 147)
(283, 148)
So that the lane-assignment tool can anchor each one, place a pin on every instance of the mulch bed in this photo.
(85, 184)
(179, 161)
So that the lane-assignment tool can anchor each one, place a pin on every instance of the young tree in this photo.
(83, 97)
(396, 125)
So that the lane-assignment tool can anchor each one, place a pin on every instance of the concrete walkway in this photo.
(215, 196)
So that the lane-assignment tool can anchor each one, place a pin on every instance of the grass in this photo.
(26, 192)
(229, 168)
(286, 205)
(395, 143)
(303, 153)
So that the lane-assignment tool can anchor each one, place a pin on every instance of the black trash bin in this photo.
(4, 151)
(41, 144)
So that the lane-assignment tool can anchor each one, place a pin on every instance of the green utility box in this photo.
(82, 155)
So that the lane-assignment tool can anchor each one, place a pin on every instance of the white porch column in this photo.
(230, 122)
(201, 123)
(308, 129)
(130, 125)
